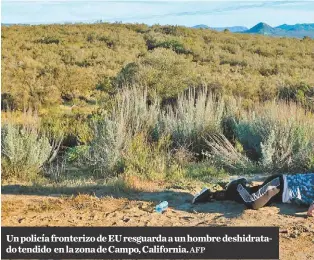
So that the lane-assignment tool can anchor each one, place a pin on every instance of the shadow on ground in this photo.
(177, 199)
(292, 210)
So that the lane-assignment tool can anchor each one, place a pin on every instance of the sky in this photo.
(187, 13)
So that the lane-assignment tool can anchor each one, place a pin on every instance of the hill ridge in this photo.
(298, 30)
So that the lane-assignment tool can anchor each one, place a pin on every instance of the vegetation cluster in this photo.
(159, 103)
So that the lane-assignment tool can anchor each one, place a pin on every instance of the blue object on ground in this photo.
(162, 207)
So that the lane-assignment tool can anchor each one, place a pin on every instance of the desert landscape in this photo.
(103, 119)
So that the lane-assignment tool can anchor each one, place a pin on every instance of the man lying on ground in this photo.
(297, 188)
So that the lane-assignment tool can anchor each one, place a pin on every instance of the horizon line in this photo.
(96, 21)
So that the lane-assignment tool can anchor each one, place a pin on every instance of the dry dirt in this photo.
(296, 230)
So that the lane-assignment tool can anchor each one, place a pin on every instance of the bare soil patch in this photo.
(296, 230)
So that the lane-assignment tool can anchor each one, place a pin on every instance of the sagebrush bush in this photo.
(136, 111)
(278, 135)
(273, 137)
(141, 137)
(104, 153)
(269, 137)
(196, 114)
(112, 133)
(56, 171)
(24, 152)
(223, 154)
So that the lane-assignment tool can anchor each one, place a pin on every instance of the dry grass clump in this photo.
(273, 137)
(24, 152)
(145, 141)
(195, 114)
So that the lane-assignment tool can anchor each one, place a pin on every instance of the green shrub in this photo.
(147, 160)
(263, 52)
(131, 115)
(74, 154)
(127, 76)
(162, 72)
(277, 143)
(171, 44)
(74, 128)
(104, 153)
(276, 136)
(24, 152)
(54, 64)
(221, 153)
(109, 42)
(204, 171)
(48, 40)
(301, 93)
(195, 115)
(56, 171)
(52, 67)
(233, 62)
(310, 164)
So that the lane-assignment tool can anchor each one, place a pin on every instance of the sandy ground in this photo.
(296, 230)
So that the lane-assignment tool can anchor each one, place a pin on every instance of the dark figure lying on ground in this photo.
(297, 188)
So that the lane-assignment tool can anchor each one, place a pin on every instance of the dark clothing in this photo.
(258, 196)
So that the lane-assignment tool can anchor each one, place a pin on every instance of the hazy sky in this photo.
(189, 13)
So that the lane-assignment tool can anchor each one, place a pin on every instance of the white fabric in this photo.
(285, 194)
(247, 197)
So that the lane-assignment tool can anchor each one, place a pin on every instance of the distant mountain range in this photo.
(284, 30)
(220, 29)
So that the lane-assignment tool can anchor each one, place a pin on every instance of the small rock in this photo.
(305, 229)
(125, 219)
